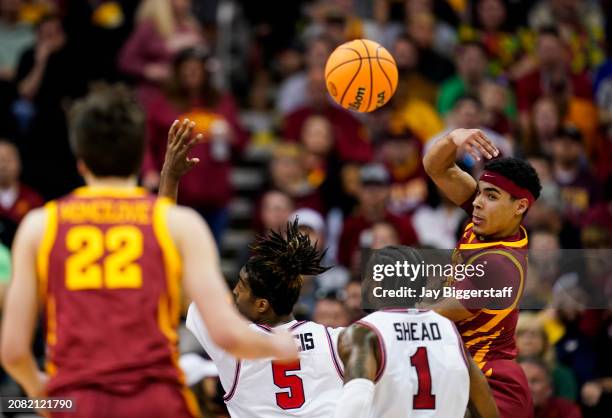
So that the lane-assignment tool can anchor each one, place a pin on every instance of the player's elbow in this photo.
(12, 355)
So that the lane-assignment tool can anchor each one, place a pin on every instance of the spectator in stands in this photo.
(48, 75)
(275, 209)
(331, 312)
(532, 342)
(352, 143)
(402, 153)
(16, 199)
(383, 234)
(494, 96)
(353, 299)
(601, 213)
(578, 187)
(552, 76)
(163, 29)
(431, 32)
(293, 91)
(471, 62)
(545, 405)
(373, 199)
(545, 122)
(406, 54)
(380, 28)
(15, 37)
(190, 94)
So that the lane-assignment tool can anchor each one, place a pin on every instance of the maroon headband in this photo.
(508, 185)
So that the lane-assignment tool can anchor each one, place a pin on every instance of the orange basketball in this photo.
(361, 75)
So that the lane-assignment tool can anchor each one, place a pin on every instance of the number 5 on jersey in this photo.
(89, 268)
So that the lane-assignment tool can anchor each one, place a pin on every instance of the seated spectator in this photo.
(402, 153)
(406, 54)
(544, 404)
(190, 94)
(15, 37)
(381, 28)
(425, 22)
(494, 95)
(471, 63)
(545, 121)
(352, 143)
(532, 342)
(288, 174)
(383, 234)
(331, 312)
(353, 300)
(551, 75)
(47, 76)
(579, 190)
(373, 199)
(274, 211)
(16, 199)
(163, 28)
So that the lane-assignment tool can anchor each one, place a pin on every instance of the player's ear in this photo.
(521, 206)
(261, 305)
(82, 168)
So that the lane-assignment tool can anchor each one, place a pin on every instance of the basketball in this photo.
(361, 75)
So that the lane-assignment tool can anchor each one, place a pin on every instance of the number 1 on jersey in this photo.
(423, 399)
(295, 397)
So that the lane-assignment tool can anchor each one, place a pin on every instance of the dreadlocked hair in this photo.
(278, 263)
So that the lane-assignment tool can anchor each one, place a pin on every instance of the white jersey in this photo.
(308, 387)
(423, 369)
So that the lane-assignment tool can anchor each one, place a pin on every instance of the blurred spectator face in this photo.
(317, 135)
(398, 151)
(285, 167)
(471, 63)
(550, 51)
(467, 114)
(192, 74)
(52, 32)
(276, 207)
(330, 313)
(566, 151)
(542, 167)
(545, 118)
(181, 7)
(381, 11)
(405, 54)
(539, 383)
(422, 29)
(10, 164)
(565, 10)
(414, 7)
(318, 52)
(530, 341)
(383, 235)
(374, 197)
(316, 87)
(493, 96)
(492, 14)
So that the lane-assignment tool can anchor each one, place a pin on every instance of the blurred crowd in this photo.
(534, 75)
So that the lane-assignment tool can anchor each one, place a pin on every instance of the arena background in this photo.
(536, 76)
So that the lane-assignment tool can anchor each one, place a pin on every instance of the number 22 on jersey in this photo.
(103, 259)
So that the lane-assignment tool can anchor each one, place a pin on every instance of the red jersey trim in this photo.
(381, 346)
(460, 344)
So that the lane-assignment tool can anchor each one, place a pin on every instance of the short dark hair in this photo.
(107, 131)
(391, 255)
(550, 31)
(279, 260)
(471, 44)
(518, 171)
(467, 98)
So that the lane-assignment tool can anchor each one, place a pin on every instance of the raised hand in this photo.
(475, 142)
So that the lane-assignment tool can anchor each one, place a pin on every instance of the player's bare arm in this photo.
(440, 164)
(204, 283)
(21, 308)
(482, 404)
(176, 162)
(358, 350)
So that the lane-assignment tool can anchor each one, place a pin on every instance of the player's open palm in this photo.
(180, 142)
(474, 142)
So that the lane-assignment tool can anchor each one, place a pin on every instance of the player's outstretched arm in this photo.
(176, 162)
(358, 349)
(449, 308)
(21, 308)
(439, 162)
(204, 283)
(482, 404)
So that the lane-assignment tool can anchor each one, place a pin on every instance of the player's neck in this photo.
(506, 233)
(276, 320)
(111, 182)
